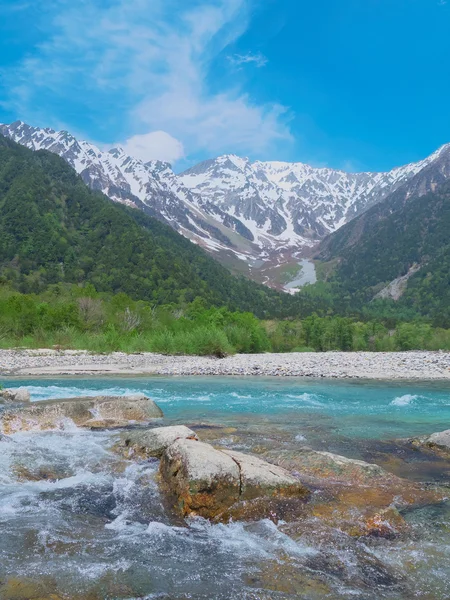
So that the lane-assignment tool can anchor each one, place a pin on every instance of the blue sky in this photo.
(353, 84)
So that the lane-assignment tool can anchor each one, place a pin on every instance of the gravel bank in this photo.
(363, 365)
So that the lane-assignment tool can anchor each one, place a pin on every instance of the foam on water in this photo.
(105, 517)
(404, 400)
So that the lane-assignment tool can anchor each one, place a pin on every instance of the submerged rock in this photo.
(358, 498)
(152, 442)
(83, 412)
(209, 482)
(29, 589)
(327, 465)
(15, 396)
(438, 442)
(42, 473)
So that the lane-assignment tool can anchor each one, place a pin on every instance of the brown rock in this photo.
(52, 414)
(224, 484)
(28, 589)
(260, 478)
(152, 442)
(14, 396)
(204, 480)
(49, 473)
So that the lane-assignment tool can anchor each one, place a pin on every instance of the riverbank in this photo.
(352, 365)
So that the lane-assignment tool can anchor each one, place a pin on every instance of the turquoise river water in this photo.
(102, 530)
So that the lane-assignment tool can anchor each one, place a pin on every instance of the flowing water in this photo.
(93, 525)
(307, 275)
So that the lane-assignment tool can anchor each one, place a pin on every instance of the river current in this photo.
(98, 527)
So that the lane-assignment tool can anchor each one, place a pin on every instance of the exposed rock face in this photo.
(327, 465)
(438, 442)
(153, 442)
(260, 478)
(83, 412)
(204, 480)
(207, 482)
(14, 396)
(359, 498)
(229, 203)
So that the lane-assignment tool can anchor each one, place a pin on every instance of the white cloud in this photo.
(258, 59)
(157, 145)
(148, 63)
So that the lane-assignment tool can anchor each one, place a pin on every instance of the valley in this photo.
(250, 216)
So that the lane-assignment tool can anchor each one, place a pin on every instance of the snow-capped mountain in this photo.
(229, 205)
(293, 200)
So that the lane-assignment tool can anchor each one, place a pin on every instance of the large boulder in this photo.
(209, 482)
(205, 481)
(14, 396)
(359, 498)
(152, 442)
(260, 478)
(112, 411)
(326, 465)
(439, 442)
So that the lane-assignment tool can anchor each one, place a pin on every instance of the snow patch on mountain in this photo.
(253, 210)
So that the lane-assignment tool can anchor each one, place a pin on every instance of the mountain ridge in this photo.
(54, 229)
(251, 213)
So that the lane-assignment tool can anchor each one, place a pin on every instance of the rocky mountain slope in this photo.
(254, 214)
(399, 248)
(54, 229)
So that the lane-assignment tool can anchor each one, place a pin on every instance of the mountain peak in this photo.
(228, 204)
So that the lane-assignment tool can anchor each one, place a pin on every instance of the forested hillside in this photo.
(54, 229)
(393, 239)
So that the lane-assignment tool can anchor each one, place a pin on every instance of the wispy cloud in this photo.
(257, 59)
(147, 63)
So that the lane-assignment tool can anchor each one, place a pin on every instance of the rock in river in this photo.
(152, 442)
(439, 442)
(14, 396)
(260, 478)
(53, 414)
(207, 481)
(204, 480)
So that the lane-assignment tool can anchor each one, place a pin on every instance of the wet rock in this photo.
(43, 473)
(28, 589)
(212, 432)
(358, 498)
(106, 423)
(438, 442)
(386, 523)
(204, 480)
(54, 414)
(260, 478)
(289, 577)
(326, 465)
(152, 442)
(220, 483)
(274, 508)
(14, 396)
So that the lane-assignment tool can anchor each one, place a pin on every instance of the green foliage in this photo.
(385, 243)
(53, 229)
(337, 333)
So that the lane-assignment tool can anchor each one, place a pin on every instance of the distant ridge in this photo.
(260, 211)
